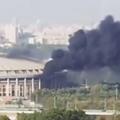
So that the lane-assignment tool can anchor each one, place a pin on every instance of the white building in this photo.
(10, 31)
(19, 78)
(51, 35)
(58, 35)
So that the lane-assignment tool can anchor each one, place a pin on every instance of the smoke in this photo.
(37, 53)
(94, 76)
(89, 50)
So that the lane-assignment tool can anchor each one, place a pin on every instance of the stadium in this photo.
(18, 77)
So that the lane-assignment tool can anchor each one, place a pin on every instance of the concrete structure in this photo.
(31, 34)
(18, 78)
(101, 112)
(12, 114)
(57, 35)
(9, 32)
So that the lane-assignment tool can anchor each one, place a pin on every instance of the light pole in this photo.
(116, 98)
(116, 92)
(105, 104)
(55, 106)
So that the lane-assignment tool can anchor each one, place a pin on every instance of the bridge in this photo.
(101, 112)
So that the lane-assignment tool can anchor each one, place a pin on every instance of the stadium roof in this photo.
(18, 64)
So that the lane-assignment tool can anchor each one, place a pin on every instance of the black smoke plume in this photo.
(88, 49)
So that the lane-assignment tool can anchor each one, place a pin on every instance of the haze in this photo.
(85, 12)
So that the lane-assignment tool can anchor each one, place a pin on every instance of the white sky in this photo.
(84, 12)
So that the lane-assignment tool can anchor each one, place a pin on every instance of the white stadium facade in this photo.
(18, 77)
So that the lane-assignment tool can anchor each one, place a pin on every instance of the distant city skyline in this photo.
(87, 12)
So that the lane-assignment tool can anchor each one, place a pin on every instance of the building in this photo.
(10, 31)
(12, 34)
(32, 34)
(49, 35)
(57, 35)
(18, 78)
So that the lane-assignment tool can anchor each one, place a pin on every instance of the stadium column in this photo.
(8, 84)
(32, 85)
(16, 90)
(39, 84)
(25, 87)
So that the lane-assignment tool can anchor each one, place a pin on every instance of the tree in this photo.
(56, 114)
(117, 117)
(4, 117)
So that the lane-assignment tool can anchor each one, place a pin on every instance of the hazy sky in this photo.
(58, 11)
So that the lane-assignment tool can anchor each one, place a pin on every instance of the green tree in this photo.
(22, 116)
(55, 114)
(117, 117)
(4, 117)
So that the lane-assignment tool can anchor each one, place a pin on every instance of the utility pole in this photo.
(116, 92)
(75, 104)
(116, 98)
(54, 103)
(36, 99)
(105, 104)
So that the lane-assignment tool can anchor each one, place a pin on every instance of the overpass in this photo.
(12, 113)
(101, 112)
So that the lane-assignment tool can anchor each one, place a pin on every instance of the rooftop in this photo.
(18, 64)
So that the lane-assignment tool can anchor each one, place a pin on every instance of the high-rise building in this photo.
(10, 31)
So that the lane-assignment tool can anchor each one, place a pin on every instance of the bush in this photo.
(4, 117)
(55, 114)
